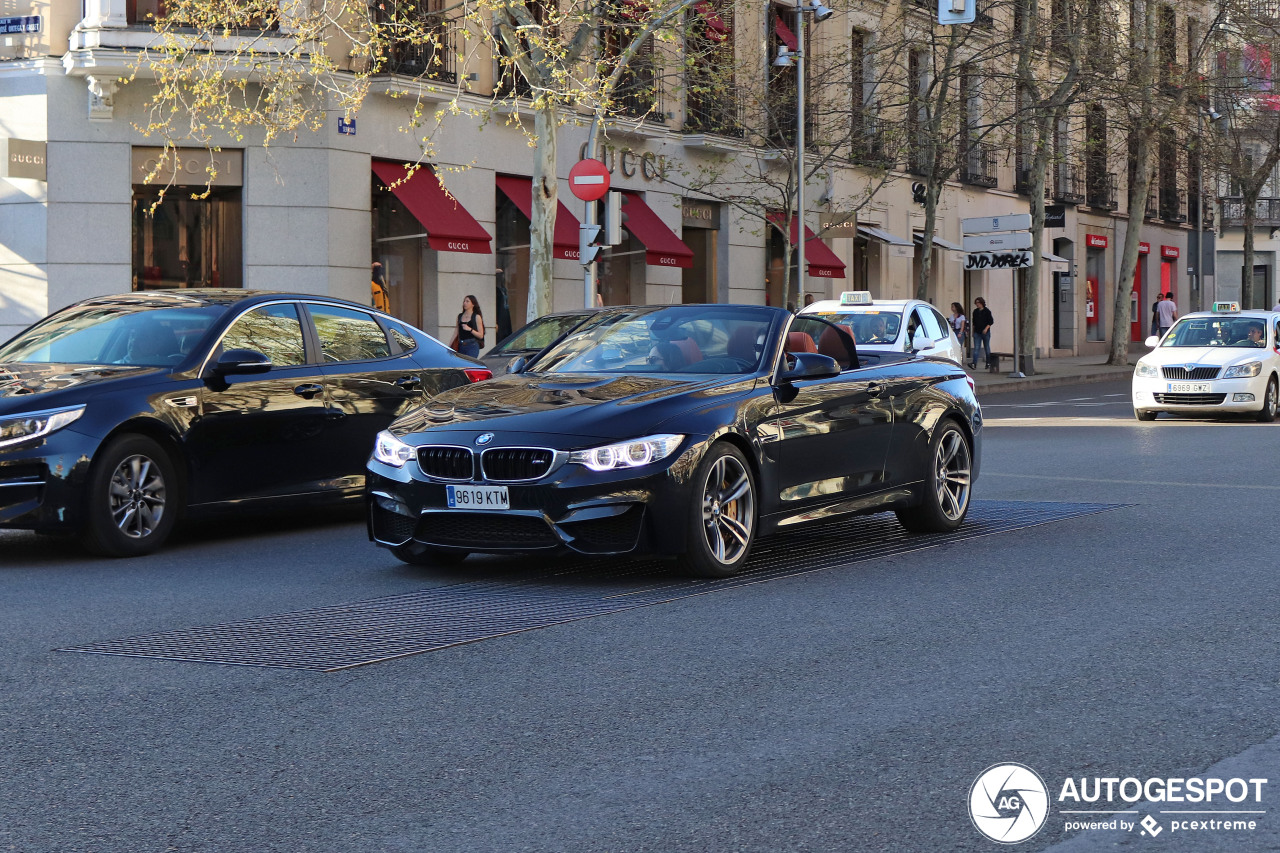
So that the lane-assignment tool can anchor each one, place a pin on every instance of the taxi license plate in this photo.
(1189, 387)
(478, 497)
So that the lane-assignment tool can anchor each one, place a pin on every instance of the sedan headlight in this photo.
(627, 454)
(17, 428)
(1241, 371)
(1148, 370)
(390, 450)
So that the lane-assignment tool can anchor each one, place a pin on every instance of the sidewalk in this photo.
(1050, 372)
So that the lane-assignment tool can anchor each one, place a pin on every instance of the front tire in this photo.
(424, 555)
(947, 485)
(1144, 416)
(1268, 413)
(722, 514)
(133, 498)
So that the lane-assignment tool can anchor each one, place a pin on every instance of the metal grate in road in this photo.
(347, 635)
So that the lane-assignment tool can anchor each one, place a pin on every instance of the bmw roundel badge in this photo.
(484, 438)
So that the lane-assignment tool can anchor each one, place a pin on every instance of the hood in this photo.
(1204, 356)
(584, 404)
(25, 386)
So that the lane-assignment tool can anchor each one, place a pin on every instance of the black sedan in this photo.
(121, 413)
(686, 431)
(533, 338)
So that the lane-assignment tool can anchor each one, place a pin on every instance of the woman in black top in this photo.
(470, 327)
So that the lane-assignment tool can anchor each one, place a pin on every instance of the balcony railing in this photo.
(1200, 210)
(1067, 185)
(1153, 205)
(638, 93)
(1173, 204)
(1101, 190)
(978, 165)
(870, 142)
(1022, 182)
(707, 111)
(431, 59)
(1266, 212)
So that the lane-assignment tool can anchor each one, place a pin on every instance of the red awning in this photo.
(565, 239)
(783, 32)
(823, 263)
(662, 247)
(717, 29)
(449, 227)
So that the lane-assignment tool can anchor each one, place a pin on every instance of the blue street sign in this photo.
(22, 24)
(346, 126)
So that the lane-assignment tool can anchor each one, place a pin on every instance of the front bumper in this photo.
(1225, 396)
(42, 481)
(637, 511)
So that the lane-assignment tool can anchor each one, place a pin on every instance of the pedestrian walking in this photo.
(470, 332)
(1276, 307)
(380, 296)
(1155, 314)
(1166, 312)
(959, 323)
(981, 325)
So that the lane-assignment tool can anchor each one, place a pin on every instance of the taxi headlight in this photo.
(18, 428)
(391, 451)
(1241, 371)
(627, 454)
(1147, 370)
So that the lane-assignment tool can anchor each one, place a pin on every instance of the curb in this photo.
(1050, 381)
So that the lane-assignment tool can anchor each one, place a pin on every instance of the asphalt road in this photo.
(847, 709)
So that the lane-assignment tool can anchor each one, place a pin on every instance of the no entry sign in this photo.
(589, 180)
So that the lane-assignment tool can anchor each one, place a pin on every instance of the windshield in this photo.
(1217, 332)
(539, 334)
(134, 334)
(679, 339)
(868, 327)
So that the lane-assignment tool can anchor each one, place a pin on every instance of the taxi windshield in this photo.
(1217, 332)
(869, 327)
(679, 339)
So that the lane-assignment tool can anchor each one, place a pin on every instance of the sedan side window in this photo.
(273, 330)
(403, 339)
(931, 327)
(348, 335)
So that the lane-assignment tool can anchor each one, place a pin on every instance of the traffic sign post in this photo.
(589, 181)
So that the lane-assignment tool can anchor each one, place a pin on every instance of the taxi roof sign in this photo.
(1225, 307)
(855, 297)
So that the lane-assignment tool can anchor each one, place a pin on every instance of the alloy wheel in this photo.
(137, 496)
(953, 475)
(728, 510)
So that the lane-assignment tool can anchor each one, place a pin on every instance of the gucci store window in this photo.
(187, 229)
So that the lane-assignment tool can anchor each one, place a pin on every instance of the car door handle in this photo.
(875, 389)
(308, 390)
(408, 383)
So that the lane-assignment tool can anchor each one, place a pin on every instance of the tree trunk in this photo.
(1028, 281)
(932, 193)
(542, 215)
(1247, 296)
(1120, 319)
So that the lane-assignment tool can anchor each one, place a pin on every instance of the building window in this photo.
(180, 241)
(711, 100)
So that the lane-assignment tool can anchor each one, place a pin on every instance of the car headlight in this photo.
(627, 454)
(16, 428)
(1148, 370)
(391, 451)
(1240, 371)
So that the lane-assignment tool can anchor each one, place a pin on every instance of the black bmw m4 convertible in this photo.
(684, 430)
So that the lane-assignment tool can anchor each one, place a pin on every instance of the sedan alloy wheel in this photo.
(724, 514)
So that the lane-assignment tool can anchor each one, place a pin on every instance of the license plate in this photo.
(1189, 387)
(478, 497)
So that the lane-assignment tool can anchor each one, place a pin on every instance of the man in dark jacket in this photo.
(982, 321)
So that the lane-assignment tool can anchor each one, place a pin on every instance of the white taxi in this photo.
(891, 325)
(1212, 362)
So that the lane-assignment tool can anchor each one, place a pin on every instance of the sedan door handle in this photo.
(408, 383)
(308, 390)
(875, 389)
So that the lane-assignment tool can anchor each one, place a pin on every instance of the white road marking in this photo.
(1162, 483)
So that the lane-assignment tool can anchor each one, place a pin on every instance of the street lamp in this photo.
(785, 59)
(1207, 118)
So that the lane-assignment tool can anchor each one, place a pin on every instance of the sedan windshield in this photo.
(679, 339)
(133, 334)
(538, 334)
(1217, 332)
(868, 327)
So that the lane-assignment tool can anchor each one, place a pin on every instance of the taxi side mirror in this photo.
(1152, 342)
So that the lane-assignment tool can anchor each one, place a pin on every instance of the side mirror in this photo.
(810, 365)
(1152, 342)
(920, 340)
(517, 364)
(241, 362)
